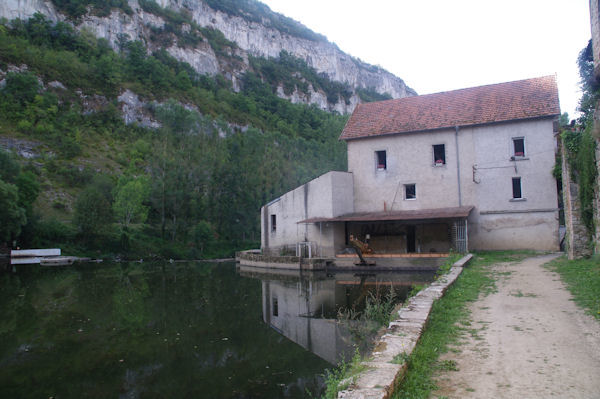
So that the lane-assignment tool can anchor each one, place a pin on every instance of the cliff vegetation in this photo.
(191, 187)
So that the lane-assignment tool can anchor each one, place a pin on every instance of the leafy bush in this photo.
(21, 87)
(12, 215)
(54, 231)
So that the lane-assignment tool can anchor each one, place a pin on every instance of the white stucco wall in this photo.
(486, 172)
(409, 160)
(327, 196)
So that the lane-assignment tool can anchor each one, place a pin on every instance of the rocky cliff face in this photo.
(251, 37)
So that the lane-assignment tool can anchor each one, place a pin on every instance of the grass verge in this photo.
(444, 325)
(582, 277)
(342, 376)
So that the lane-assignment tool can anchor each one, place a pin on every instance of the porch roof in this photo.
(459, 212)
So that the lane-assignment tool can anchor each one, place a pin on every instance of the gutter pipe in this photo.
(456, 128)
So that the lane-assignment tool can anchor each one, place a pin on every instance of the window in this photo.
(518, 147)
(516, 187)
(273, 222)
(410, 191)
(439, 154)
(381, 159)
(275, 306)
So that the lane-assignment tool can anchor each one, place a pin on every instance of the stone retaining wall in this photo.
(577, 237)
(401, 337)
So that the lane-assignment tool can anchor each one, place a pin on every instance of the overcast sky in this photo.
(440, 45)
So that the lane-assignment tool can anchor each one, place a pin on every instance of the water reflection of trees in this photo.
(166, 330)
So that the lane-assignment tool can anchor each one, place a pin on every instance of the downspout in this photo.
(265, 229)
(457, 164)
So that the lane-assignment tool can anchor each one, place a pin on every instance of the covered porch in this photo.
(414, 233)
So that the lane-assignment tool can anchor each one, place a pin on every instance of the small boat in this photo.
(58, 261)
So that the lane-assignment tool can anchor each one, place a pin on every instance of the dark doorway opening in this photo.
(410, 239)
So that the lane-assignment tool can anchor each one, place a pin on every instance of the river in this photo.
(177, 330)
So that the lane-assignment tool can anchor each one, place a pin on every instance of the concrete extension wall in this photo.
(327, 196)
(482, 163)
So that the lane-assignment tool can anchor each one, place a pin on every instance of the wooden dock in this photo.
(43, 257)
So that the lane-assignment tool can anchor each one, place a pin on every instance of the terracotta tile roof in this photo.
(521, 99)
(419, 214)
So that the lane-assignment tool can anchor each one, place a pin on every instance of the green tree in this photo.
(22, 87)
(589, 86)
(93, 212)
(203, 234)
(29, 190)
(129, 201)
(12, 216)
(9, 167)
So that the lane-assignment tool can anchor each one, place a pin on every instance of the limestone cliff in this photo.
(252, 37)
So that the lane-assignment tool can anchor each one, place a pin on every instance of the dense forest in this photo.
(190, 188)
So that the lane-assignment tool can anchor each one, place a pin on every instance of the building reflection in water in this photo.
(304, 306)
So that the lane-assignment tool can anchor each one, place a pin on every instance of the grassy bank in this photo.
(582, 278)
(448, 321)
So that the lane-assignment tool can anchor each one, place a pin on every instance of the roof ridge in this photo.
(486, 85)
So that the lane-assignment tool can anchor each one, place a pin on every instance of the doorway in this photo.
(410, 239)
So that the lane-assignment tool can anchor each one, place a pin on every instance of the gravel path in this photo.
(527, 340)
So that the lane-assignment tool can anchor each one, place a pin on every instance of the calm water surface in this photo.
(183, 330)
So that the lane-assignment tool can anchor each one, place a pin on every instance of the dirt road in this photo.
(527, 340)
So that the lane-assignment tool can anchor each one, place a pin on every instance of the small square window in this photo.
(410, 191)
(439, 154)
(516, 187)
(381, 159)
(518, 147)
(273, 222)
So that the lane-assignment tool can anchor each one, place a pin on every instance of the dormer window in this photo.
(381, 160)
(518, 147)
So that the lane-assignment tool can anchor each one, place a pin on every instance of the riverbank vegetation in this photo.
(190, 188)
(582, 277)
(340, 377)
(448, 321)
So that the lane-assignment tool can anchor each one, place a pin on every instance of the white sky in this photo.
(440, 45)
